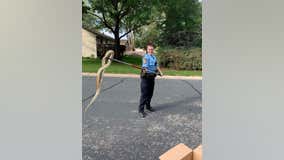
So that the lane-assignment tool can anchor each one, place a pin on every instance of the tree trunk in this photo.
(117, 49)
(117, 46)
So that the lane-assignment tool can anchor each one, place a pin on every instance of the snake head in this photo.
(106, 59)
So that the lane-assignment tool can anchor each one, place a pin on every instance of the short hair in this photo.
(150, 44)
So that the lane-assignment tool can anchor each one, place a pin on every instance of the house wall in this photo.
(89, 45)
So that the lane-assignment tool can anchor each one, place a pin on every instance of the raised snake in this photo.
(105, 63)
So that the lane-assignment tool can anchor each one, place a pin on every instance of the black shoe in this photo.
(151, 109)
(142, 114)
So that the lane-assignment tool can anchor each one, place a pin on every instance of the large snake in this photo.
(105, 63)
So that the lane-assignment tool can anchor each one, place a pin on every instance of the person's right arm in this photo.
(145, 65)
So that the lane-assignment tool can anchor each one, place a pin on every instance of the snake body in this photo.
(105, 63)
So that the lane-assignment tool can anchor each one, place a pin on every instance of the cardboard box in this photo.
(179, 152)
(197, 153)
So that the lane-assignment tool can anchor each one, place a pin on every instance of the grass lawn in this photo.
(92, 65)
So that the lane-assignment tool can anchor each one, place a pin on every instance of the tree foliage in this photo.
(120, 16)
(177, 24)
(182, 26)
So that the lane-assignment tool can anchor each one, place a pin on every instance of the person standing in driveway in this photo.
(148, 74)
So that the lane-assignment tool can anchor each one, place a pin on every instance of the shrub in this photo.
(180, 58)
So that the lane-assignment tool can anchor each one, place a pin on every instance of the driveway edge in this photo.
(138, 76)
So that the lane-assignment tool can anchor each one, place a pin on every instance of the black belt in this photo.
(144, 74)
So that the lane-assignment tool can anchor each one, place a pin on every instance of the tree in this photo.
(146, 34)
(121, 16)
(182, 26)
(151, 32)
(177, 23)
(85, 8)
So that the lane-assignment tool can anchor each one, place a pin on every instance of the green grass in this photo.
(92, 65)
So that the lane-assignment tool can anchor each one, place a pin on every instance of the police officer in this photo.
(149, 71)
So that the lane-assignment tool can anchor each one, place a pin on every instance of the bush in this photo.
(102, 49)
(180, 58)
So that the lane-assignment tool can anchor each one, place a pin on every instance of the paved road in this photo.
(112, 129)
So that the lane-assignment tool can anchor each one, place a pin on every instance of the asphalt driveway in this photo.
(112, 129)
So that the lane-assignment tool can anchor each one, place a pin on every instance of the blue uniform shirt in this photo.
(151, 63)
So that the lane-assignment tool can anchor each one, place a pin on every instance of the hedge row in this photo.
(180, 59)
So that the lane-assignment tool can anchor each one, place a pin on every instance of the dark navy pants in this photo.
(147, 89)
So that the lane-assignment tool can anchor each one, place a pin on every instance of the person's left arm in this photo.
(160, 71)
(158, 68)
